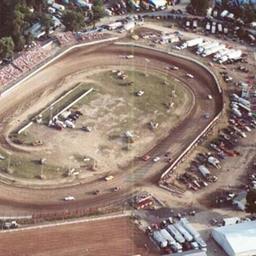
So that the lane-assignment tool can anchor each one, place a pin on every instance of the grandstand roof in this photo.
(238, 239)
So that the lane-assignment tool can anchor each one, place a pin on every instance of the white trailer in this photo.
(225, 30)
(213, 29)
(192, 42)
(245, 102)
(169, 38)
(244, 107)
(203, 44)
(189, 227)
(159, 239)
(232, 55)
(208, 26)
(167, 236)
(201, 49)
(209, 12)
(176, 234)
(236, 112)
(213, 50)
(184, 232)
(220, 53)
(194, 24)
(114, 25)
(220, 27)
(187, 24)
(201, 243)
(204, 171)
(215, 13)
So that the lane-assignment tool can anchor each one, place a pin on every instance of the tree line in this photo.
(16, 16)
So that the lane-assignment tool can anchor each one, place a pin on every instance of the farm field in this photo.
(119, 236)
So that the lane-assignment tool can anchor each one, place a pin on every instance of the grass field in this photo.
(111, 109)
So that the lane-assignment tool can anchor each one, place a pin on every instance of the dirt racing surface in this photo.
(119, 236)
(32, 93)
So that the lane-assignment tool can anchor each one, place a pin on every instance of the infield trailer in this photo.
(167, 172)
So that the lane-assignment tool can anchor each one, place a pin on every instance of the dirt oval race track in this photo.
(28, 201)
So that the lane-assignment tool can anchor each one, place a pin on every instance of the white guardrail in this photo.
(193, 143)
(6, 92)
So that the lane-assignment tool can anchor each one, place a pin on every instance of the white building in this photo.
(238, 239)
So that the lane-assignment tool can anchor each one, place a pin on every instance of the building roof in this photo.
(238, 239)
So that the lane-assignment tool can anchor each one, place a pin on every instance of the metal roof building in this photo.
(238, 2)
(238, 239)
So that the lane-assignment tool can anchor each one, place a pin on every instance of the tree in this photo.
(6, 47)
(251, 201)
(200, 6)
(98, 10)
(28, 38)
(73, 20)
(46, 22)
(19, 42)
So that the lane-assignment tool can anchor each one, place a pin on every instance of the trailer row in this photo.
(178, 237)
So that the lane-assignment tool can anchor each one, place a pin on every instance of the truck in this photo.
(159, 239)
(176, 234)
(213, 50)
(192, 42)
(167, 236)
